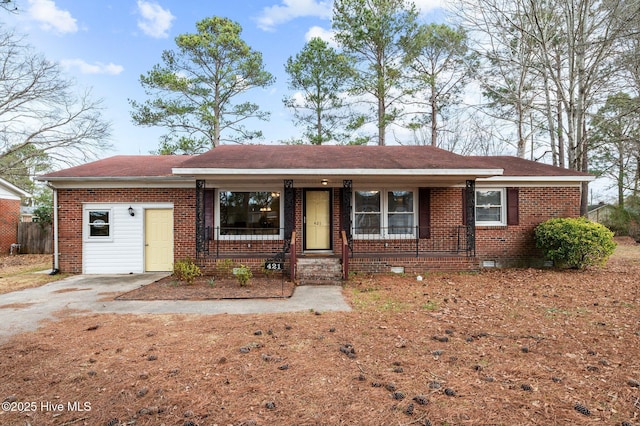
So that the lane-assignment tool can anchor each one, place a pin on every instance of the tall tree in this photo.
(575, 45)
(320, 75)
(587, 36)
(442, 65)
(376, 33)
(616, 141)
(43, 121)
(509, 78)
(194, 90)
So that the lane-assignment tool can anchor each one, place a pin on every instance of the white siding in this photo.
(6, 195)
(123, 251)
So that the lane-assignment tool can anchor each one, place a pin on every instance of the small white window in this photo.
(491, 207)
(99, 222)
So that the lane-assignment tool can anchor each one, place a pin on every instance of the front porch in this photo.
(403, 227)
(411, 250)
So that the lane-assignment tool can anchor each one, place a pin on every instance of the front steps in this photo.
(319, 270)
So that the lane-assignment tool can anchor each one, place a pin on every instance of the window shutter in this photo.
(513, 206)
(424, 212)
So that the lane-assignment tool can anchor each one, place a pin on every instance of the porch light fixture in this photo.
(324, 182)
(131, 212)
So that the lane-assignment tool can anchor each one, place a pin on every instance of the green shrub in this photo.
(574, 242)
(186, 270)
(243, 275)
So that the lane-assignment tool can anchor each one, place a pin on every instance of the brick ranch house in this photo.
(311, 210)
(10, 197)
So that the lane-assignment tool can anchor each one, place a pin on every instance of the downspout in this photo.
(56, 260)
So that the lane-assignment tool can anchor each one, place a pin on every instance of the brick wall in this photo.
(511, 245)
(514, 245)
(508, 245)
(70, 202)
(9, 218)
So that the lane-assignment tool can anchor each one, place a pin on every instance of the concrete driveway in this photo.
(23, 310)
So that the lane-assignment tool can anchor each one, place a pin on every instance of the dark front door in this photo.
(317, 219)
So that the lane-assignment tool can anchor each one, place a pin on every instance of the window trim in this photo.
(503, 207)
(87, 225)
(217, 221)
(384, 214)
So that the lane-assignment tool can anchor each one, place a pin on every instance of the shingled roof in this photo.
(123, 166)
(330, 157)
(233, 158)
(514, 166)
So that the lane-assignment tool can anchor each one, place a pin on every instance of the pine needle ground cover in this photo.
(515, 346)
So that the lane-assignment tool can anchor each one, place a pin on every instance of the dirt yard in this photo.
(24, 271)
(502, 347)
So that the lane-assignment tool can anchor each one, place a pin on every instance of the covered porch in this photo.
(416, 207)
(416, 245)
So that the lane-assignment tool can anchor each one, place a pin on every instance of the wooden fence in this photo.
(35, 238)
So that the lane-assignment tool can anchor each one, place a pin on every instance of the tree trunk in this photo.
(434, 115)
(381, 120)
(318, 127)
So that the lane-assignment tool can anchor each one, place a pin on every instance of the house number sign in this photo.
(273, 265)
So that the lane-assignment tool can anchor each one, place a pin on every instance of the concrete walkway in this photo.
(23, 310)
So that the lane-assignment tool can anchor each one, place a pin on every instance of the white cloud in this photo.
(155, 21)
(87, 68)
(426, 6)
(321, 33)
(291, 9)
(50, 17)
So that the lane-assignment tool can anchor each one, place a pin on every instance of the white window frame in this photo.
(217, 221)
(503, 207)
(384, 215)
(87, 225)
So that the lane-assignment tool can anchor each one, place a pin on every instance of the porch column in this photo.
(289, 209)
(347, 191)
(470, 194)
(200, 218)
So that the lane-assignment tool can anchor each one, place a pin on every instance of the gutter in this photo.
(56, 251)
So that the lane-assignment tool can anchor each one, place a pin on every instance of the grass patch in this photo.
(430, 306)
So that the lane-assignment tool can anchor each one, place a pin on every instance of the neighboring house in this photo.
(600, 212)
(10, 197)
(357, 208)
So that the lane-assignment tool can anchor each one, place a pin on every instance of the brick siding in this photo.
(9, 218)
(514, 245)
(507, 245)
(70, 202)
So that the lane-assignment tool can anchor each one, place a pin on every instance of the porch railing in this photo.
(414, 240)
(224, 241)
(345, 255)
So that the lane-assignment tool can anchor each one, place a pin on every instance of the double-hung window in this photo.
(99, 222)
(491, 207)
(384, 213)
(249, 213)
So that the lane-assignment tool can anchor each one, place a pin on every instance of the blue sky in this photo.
(106, 45)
